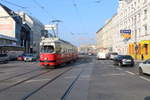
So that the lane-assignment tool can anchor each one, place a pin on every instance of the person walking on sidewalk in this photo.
(142, 57)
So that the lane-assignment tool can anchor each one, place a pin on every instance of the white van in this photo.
(101, 55)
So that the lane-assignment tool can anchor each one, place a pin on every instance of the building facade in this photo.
(132, 16)
(36, 29)
(85, 49)
(22, 27)
(104, 36)
(10, 23)
(12, 27)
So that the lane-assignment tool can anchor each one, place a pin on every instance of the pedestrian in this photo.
(142, 57)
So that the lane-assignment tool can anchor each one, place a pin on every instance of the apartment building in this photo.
(104, 36)
(132, 16)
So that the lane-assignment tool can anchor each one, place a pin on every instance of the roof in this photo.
(107, 23)
(55, 39)
(11, 13)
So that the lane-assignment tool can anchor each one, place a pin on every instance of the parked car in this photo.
(101, 55)
(4, 58)
(30, 57)
(90, 54)
(124, 60)
(21, 57)
(112, 55)
(144, 67)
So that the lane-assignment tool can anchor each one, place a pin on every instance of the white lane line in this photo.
(130, 72)
(121, 74)
(40, 80)
(119, 68)
(145, 78)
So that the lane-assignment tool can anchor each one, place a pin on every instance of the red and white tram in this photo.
(55, 51)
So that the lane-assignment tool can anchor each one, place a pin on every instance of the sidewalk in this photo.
(138, 61)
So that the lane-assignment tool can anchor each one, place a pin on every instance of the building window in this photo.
(146, 49)
(138, 1)
(135, 19)
(135, 4)
(145, 29)
(139, 17)
(139, 31)
(145, 14)
(145, 1)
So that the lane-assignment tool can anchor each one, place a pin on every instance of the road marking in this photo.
(130, 72)
(145, 78)
(119, 68)
(70, 77)
(37, 80)
(121, 74)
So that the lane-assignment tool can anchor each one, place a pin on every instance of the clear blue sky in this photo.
(81, 18)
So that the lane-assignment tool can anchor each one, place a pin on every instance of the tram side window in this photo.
(47, 49)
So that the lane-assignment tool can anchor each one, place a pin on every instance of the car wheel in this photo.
(132, 65)
(140, 71)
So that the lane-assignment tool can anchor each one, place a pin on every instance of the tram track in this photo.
(47, 83)
(67, 92)
(41, 86)
(22, 81)
(18, 75)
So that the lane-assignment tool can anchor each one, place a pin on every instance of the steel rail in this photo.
(22, 81)
(71, 86)
(18, 75)
(42, 86)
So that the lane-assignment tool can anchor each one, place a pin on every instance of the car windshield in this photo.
(125, 57)
(28, 55)
(47, 49)
(3, 55)
(114, 53)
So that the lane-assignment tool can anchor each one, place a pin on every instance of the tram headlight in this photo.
(45, 58)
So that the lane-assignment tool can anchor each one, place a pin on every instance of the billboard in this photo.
(7, 27)
(50, 27)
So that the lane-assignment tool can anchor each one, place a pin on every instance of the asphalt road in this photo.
(85, 79)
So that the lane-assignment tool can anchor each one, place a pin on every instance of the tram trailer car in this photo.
(55, 51)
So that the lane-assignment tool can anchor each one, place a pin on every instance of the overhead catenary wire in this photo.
(78, 14)
(77, 11)
(14, 4)
(98, 1)
(19, 6)
(42, 8)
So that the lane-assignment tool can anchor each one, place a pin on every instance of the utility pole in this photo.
(135, 35)
(57, 26)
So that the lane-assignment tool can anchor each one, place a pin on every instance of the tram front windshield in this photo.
(47, 49)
